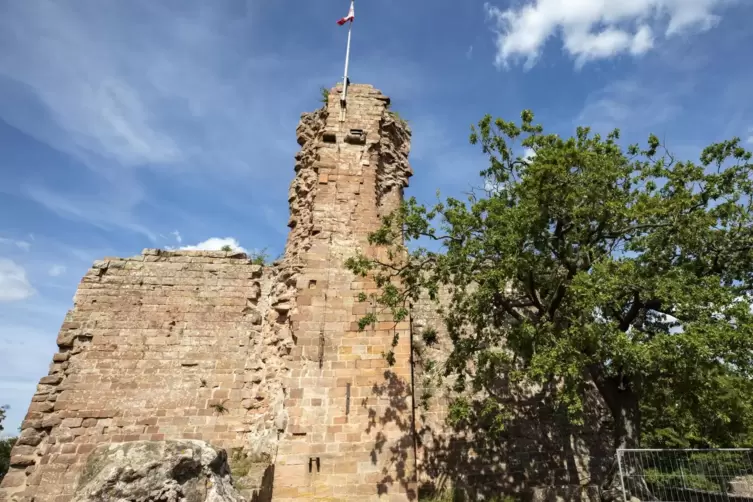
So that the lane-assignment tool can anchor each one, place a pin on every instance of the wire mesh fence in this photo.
(686, 475)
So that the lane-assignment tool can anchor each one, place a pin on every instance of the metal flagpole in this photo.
(347, 58)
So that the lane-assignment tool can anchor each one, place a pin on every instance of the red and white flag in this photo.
(350, 17)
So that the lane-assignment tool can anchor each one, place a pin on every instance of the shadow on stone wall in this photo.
(538, 449)
(264, 492)
(539, 453)
(397, 417)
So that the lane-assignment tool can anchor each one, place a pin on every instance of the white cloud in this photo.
(216, 244)
(14, 285)
(111, 207)
(177, 236)
(595, 29)
(56, 270)
(630, 105)
(19, 244)
(125, 87)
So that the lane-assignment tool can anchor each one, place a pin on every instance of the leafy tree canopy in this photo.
(590, 262)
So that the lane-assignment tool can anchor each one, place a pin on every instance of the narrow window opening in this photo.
(347, 400)
(314, 462)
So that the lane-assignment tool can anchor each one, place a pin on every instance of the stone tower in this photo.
(350, 429)
(266, 362)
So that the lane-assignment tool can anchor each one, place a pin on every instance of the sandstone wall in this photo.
(166, 345)
(350, 429)
(539, 454)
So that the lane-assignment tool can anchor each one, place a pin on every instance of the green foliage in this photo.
(6, 445)
(367, 320)
(259, 257)
(707, 471)
(398, 118)
(324, 96)
(711, 413)
(429, 336)
(589, 262)
(227, 248)
(219, 408)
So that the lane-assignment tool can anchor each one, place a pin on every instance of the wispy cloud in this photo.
(630, 104)
(57, 270)
(14, 284)
(140, 85)
(595, 30)
(21, 244)
(111, 208)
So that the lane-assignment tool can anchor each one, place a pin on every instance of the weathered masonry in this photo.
(268, 362)
(265, 362)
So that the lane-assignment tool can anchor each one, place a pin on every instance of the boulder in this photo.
(741, 486)
(157, 471)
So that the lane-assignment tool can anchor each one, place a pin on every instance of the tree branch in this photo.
(631, 314)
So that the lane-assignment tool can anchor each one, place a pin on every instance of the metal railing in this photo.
(685, 475)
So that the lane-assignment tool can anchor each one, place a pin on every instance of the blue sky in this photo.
(170, 123)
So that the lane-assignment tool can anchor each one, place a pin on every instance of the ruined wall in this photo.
(539, 454)
(166, 345)
(350, 430)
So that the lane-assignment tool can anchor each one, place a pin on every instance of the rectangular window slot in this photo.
(329, 137)
(312, 284)
(356, 137)
(347, 399)
(299, 434)
(314, 462)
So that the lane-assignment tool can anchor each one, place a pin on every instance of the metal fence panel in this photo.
(686, 475)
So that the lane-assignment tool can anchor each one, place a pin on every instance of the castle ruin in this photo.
(269, 363)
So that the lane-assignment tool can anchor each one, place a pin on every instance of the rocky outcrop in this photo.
(157, 471)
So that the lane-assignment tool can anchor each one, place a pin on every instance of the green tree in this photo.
(589, 262)
(3, 409)
(6, 444)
